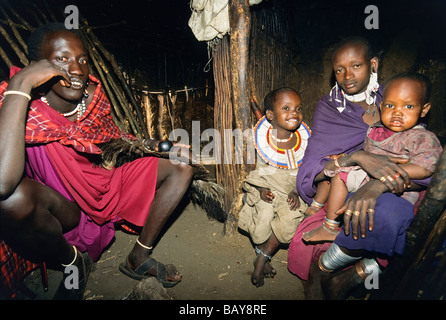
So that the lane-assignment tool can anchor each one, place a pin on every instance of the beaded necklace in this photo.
(282, 140)
(80, 108)
(273, 155)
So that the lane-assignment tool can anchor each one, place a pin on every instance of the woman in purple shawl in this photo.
(380, 217)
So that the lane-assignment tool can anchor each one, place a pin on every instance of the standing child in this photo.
(272, 209)
(398, 135)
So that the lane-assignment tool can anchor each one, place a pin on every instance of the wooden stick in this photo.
(27, 25)
(118, 72)
(14, 47)
(240, 22)
(114, 92)
(14, 29)
(114, 103)
(5, 58)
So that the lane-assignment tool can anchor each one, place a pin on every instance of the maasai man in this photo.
(52, 117)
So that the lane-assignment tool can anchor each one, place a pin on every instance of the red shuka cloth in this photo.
(105, 195)
(126, 192)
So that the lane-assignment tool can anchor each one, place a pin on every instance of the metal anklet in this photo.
(74, 259)
(316, 205)
(144, 246)
(258, 251)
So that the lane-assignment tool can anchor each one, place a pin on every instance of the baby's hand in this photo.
(335, 156)
(293, 200)
(266, 195)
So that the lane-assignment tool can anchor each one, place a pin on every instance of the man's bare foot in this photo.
(320, 234)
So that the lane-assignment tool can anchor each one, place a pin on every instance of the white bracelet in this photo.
(20, 93)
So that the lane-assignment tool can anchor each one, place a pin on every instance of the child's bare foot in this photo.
(262, 269)
(310, 211)
(319, 235)
(269, 271)
(325, 233)
(313, 208)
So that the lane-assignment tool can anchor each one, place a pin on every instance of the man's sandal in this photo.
(83, 263)
(141, 271)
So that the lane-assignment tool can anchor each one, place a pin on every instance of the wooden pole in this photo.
(5, 58)
(113, 91)
(223, 115)
(240, 23)
(22, 21)
(434, 286)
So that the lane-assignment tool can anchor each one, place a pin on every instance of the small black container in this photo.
(165, 146)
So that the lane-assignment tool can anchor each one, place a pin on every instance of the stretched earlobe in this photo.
(269, 115)
(374, 63)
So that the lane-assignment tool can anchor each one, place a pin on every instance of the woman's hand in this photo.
(360, 207)
(293, 200)
(266, 195)
(383, 168)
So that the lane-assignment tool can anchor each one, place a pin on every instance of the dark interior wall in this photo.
(150, 39)
(292, 45)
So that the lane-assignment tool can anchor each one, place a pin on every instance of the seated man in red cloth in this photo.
(53, 116)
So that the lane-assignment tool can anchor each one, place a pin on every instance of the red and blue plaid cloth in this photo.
(13, 269)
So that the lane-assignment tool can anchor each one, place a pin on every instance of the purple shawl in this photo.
(332, 132)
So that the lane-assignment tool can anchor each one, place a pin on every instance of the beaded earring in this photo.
(372, 88)
(85, 93)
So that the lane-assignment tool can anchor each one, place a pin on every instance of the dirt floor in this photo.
(214, 266)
